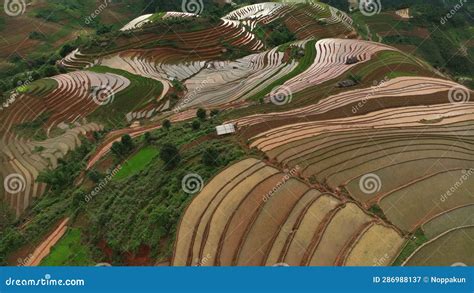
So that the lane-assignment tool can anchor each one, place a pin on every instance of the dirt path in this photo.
(45, 247)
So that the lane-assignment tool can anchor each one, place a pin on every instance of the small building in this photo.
(225, 129)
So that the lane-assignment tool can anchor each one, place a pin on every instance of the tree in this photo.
(49, 70)
(201, 114)
(210, 157)
(127, 143)
(65, 50)
(117, 148)
(169, 154)
(214, 112)
(147, 137)
(166, 124)
(196, 125)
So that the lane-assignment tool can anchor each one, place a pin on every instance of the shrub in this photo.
(166, 124)
(201, 114)
(196, 125)
(210, 157)
(169, 154)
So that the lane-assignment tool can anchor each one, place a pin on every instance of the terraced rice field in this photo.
(263, 217)
(450, 248)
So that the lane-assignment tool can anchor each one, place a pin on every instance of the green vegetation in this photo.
(376, 210)
(69, 251)
(137, 162)
(123, 147)
(144, 208)
(141, 92)
(275, 33)
(415, 241)
(48, 210)
(201, 114)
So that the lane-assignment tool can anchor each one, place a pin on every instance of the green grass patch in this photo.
(137, 162)
(415, 241)
(69, 251)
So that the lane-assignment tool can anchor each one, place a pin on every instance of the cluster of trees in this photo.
(123, 147)
(279, 34)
